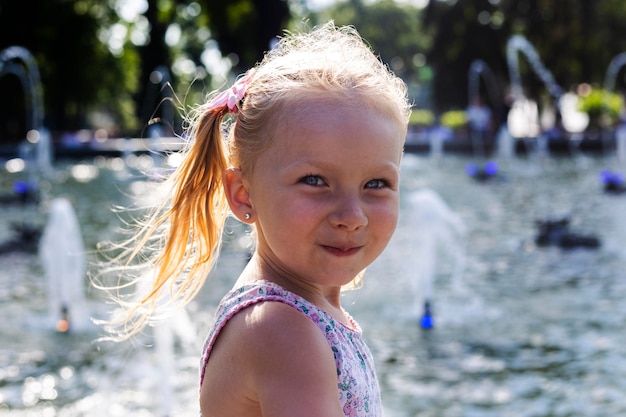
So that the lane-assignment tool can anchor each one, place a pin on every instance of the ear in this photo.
(237, 195)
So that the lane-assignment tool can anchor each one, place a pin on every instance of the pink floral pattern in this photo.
(357, 384)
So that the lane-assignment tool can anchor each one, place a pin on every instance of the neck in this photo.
(326, 298)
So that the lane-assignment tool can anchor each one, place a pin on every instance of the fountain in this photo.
(479, 115)
(524, 123)
(612, 70)
(478, 69)
(166, 334)
(35, 151)
(620, 143)
(435, 228)
(609, 86)
(437, 136)
(18, 61)
(505, 143)
(516, 44)
(63, 257)
(523, 118)
(574, 122)
(524, 328)
(174, 327)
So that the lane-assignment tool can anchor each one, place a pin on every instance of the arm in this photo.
(272, 361)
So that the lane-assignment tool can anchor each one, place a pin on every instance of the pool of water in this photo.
(520, 330)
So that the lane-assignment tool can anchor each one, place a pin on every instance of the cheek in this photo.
(386, 217)
(304, 205)
(392, 224)
(288, 215)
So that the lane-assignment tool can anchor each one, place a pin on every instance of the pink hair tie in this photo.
(232, 96)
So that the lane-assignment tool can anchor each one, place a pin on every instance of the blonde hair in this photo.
(331, 63)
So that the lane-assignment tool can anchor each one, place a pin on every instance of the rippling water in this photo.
(520, 331)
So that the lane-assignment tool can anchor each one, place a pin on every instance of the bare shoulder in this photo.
(273, 358)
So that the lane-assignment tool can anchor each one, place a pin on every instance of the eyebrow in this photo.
(324, 165)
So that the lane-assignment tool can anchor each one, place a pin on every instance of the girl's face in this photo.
(325, 193)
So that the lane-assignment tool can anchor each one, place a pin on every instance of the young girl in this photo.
(311, 161)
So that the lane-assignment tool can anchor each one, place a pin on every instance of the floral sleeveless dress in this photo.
(357, 384)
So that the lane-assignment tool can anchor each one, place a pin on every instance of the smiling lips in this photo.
(342, 252)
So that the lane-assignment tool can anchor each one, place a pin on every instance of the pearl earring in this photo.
(247, 216)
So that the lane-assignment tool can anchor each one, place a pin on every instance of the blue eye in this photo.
(312, 180)
(377, 183)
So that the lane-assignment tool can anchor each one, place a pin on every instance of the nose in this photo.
(348, 213)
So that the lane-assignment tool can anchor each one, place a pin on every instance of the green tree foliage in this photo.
(459, 39)
(603, 107)
(153, 54)
(84, 73)
(575, 39)
(393, 30)
(242, 30)
(246, 27)
(78, 71)
(95, 65)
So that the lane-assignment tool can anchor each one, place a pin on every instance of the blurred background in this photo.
(500, 295)
(105, 66)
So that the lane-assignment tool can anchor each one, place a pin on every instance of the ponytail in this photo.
(198, 211)
(182, 235)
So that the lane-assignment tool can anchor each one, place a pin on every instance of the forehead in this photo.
(331, 106)
(321, 129)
